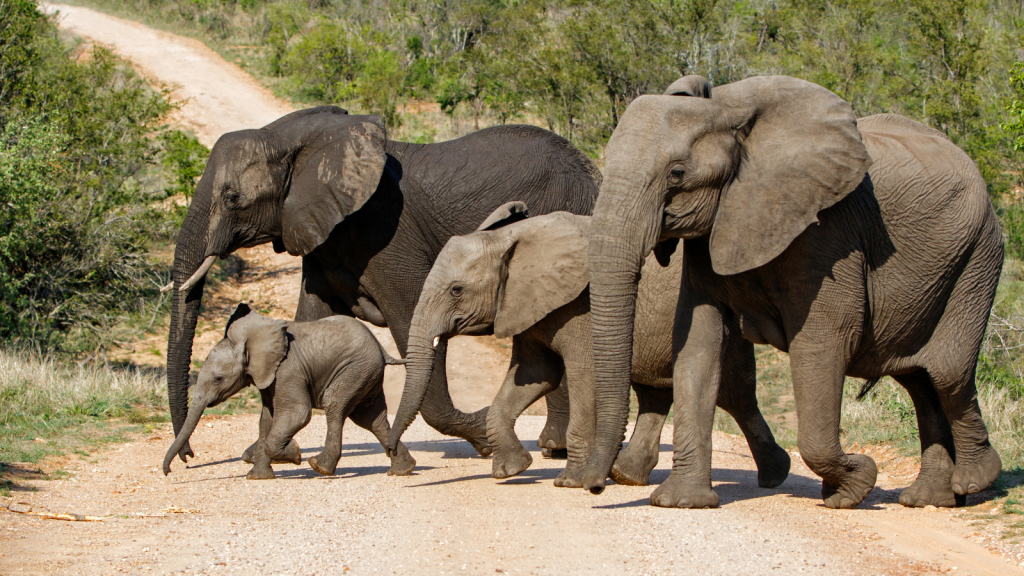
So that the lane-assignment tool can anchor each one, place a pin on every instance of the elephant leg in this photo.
(291, 454)
(977, 462)
(372, 415)
(288, 420)
(580, 434)
(695, 379)
(635, 462)
(440, 414)
(552, 440)
(261, 469)
(933, 485)
(951, 363)
(819, 372)
(337, 403)
(738, 396)
(534, 371)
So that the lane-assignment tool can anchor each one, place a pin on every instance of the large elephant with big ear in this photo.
(862, 248)
(368, 215)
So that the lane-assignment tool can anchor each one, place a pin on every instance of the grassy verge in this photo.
(52, 408)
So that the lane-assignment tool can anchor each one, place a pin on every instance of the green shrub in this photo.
(75, 140)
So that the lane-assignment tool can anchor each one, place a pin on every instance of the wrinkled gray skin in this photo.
(334, 364)
(528, 280)
(368, 215)
(863, 248)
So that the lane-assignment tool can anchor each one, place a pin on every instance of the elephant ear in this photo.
(801, 152)
(545, 268)
(337, 167)
(265, 342)
(504, 215)
(692, 85)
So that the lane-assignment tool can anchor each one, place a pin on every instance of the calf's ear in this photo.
(544, 268)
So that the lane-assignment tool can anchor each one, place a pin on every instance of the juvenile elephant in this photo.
(528, 279)
(862, 247)
(335, 364)
(368, 215)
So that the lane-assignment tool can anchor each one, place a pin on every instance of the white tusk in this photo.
(203, 269)
(436, 340)
(168, 288)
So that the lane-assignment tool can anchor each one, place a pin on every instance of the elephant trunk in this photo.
(189, 426)
(419, 365)
(189, 256)
(617, 253)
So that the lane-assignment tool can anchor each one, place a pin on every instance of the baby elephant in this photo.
(335, 364)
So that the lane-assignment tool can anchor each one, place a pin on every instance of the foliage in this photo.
(73, 244)
(184, 157)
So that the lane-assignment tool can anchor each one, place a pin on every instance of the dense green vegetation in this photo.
(81, 177)
(574, 65)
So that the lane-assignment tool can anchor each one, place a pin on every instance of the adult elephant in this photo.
(368, 216)
(863, 248)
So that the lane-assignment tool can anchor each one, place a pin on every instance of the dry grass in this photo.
(50, 407)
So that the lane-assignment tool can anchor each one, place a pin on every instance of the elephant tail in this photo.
(866, 387)
(388, 360)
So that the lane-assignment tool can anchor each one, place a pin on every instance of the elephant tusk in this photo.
(203, 269)
(168, 288)
(436, 340)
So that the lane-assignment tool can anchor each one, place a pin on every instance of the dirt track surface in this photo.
(450, 516)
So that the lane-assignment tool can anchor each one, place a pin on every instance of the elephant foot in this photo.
(260, 473)
(554, 453)
(247, 454)
(326, 470)
(507, 466)
(552, 437)
(931, 492)
(402, 463)
(978, 473)
(851, 490)
(290, 455)
(476, 433)
(633, 466)
(571, 477)
(680, 492)
(772, 468)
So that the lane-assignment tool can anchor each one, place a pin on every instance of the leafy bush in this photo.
(73, 244)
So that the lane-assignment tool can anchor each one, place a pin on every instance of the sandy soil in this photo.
(450, 516)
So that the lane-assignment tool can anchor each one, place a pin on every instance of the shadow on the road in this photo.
(530, 476)
(633, 504)
(739, 485)
(340, 473)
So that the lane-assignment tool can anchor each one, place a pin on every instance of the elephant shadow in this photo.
(734, 485)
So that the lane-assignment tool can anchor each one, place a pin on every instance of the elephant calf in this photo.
(527, 278)
(335, 364)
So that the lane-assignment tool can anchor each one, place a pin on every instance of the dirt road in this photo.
(450, 516)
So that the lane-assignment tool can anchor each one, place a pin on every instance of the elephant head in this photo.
(501, 279)
(252, 349)
(749, 164)
(290, 183)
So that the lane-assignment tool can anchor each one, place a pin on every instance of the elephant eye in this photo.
(456, 291)
(231, 198)
(676, 176)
